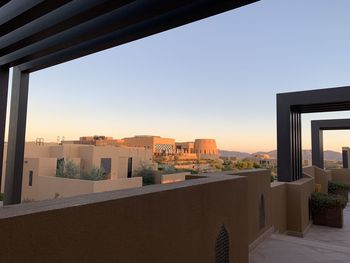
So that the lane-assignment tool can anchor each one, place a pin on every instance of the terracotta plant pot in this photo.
(331, 216)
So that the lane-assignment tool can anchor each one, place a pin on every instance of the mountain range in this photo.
(328, 155)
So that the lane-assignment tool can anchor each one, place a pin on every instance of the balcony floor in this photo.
(321, 244)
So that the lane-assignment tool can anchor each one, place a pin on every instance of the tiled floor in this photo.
(321, 244)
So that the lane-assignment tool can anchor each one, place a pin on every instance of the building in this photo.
(265, 160)
(206, 149)
(184, 147)
(41, 162)
(157, 144)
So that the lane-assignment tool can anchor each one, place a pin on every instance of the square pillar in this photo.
(289, 152)
(317, 147)
(16, 140)
(4, 82)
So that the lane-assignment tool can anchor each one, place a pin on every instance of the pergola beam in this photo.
(290, 106)
(125, 21)
(317, 128)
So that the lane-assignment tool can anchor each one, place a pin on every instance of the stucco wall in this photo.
(279, 206)
(48, 187)
(298, 194)
(159, 223)
(171, 178)
(111, 185)
(258, 185)
(322, 177)
(341, 175)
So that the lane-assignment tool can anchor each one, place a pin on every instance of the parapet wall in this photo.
(341, 175)
(290, 206)
(160, 223)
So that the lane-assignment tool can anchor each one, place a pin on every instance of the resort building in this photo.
(41, 163)
(157, 144)
(206, 149)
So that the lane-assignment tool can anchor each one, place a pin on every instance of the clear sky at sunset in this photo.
(216, 78)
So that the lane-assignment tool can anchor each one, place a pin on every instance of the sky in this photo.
(215, 78)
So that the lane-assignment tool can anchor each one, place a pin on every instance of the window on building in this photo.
(60, 163)
(129, 167)
(30, 178)
(222, 246)
(106, 164)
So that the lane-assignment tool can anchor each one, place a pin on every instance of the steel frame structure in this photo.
(36, 34)
(317, 128)
(290, 107)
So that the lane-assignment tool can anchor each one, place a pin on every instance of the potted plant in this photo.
(339, 188)
(327, 210)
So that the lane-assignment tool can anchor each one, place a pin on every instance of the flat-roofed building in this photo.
(158, 145)
(42, 162)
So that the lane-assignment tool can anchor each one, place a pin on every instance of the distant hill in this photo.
(328, 155)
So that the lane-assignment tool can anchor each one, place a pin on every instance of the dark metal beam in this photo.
(290, 106)
(16, 140)
(59, 20)
(317, 128)
(4, 82)
(31, 14)
(128, 23)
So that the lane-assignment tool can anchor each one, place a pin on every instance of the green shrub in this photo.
(94, 174)
(147, 173)
(272, 178)
(1, 196)
(165, 169)
(334, 186)
(68, 169)
(320, 201)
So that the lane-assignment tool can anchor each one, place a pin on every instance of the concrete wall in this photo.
(258, 185)
(279, 206)
(341, 175)
(48, 187)
(159, 223)
(321, 176)
(171, 178)
(298, 194)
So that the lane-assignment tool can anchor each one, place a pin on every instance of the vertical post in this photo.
(317, 145)
(16, 140)
(289, 149)
(346, 158)
(4, 82)
(284, 141)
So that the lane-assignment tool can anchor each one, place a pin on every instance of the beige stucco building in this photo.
(41, 162)
(206, 149)
(158, 145)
